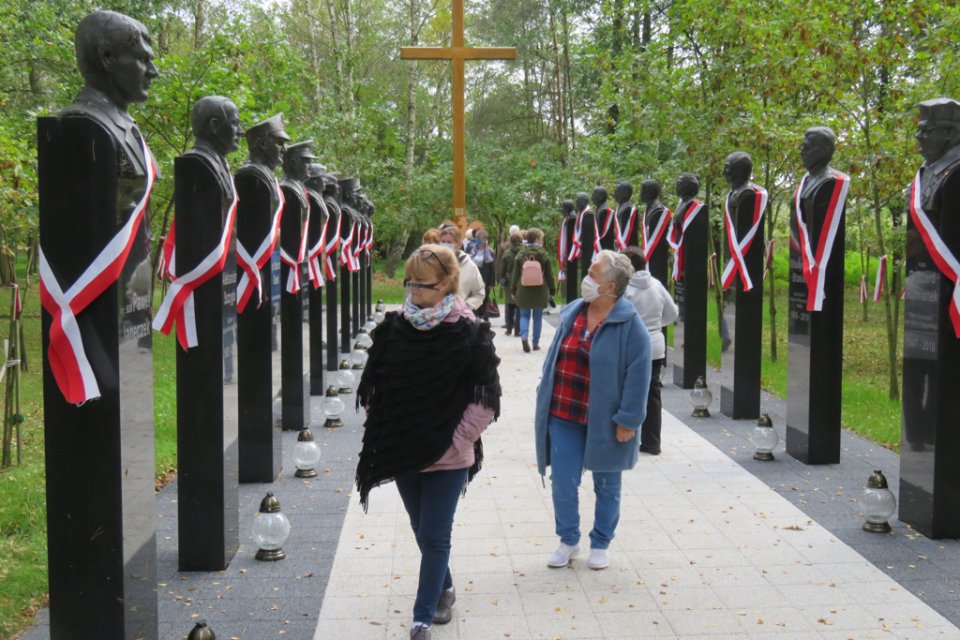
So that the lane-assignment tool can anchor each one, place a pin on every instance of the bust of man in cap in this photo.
(938, 136)
(116, 62)
(216, 128)
(314, 180)
(266, 142)
(296, 160)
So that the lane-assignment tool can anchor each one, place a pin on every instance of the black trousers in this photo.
(650, 431)
(511, 316)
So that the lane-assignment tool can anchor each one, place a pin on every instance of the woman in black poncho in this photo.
(430, 388)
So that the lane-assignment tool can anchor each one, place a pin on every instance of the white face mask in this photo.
(589, 289)
(450, 245)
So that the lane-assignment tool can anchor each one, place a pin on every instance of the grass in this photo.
(23, 557)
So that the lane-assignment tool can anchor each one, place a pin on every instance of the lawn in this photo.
(23, 560)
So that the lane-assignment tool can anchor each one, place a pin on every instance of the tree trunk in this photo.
(558, 116)
(348, 27)
(412, 91)
(337, 55)
(571, 130)
(199, 21)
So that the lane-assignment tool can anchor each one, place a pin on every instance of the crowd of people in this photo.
(431, 387)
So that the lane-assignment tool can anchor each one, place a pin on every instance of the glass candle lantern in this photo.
(306, 455)
(700, 398)
(878, 504)
(363, 339)
(379, 311)
(332, 408)
(765, 438)
(345, 377)
(359, 357)
(370, 325)
(270, 530)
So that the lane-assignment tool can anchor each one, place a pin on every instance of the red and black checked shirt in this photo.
(571, 383)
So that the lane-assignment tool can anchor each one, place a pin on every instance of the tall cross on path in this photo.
(457, 53)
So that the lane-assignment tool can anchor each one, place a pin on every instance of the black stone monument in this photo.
(258, 370)
(331, 191)
(628, 229)
(349, 232)
(208, 503)
(743, 292)
(930, 441)
(319, 221)
(94, 174)
(815, 323)
(688, 237)
(586, 229)
(656, 219)
(295, 340)
(606, 217)
(568, 267)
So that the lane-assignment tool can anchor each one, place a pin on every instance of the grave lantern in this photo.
(370, 325)
(306, 455)
(379, 312)
(270, 529)
(332, 407)
(363, 339)
(764, 438)
(202, 632)
(345, 377)
(359, 356)
(878, 504)
(700, 398)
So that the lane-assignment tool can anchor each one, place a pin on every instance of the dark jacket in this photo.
(532, 297)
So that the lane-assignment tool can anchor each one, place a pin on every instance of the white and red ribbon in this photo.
(251, 265)
(881, 279)
(576, 247)
(675, 235)
(815, 262)
(650, 244)
(178, 305)
(608, 222)
(738, 247)
(767, 259)
(330, 249)
(368, 246)
(66, 354)
(347, 257)
(946, 262)
(293, 274)
(315, 253)
(623, 234)
(562, 251)
(863, 289)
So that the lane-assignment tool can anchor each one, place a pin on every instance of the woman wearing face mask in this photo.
(430, 388)
(590, 403)
(472, 289)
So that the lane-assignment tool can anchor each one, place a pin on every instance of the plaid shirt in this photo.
(571, 386)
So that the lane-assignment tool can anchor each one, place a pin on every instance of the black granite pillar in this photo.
(815, 347)
(333, 360)
(258, 348)
(572, 280)
(930, 440)
(318, 217)
(345, 310)
(690, 293)
(208, 504)
(100, 505)
(295, 350)
(357, 296)
(743, 312)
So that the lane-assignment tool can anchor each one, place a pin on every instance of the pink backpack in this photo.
(531, 273)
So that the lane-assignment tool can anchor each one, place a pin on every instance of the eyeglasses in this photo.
(427, 254)
(419, 285)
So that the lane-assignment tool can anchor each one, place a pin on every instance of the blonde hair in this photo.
(434, 262)
(451, 231)
(431, 236)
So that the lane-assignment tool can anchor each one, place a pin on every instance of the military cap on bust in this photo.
(303, 149)
(940, 110)
(316, 170)
(272, 125)
(349, 184)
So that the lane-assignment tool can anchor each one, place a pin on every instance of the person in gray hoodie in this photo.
(657, 310)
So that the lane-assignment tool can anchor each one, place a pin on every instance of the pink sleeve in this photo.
(475, 419)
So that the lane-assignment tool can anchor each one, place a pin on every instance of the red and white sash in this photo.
(738, 247)
(623, 235)
(881, 279)
(252, 264)
(347, 258)
(675, 235)
(562, 251)
(608, 222)
(293, 275)
(814, 263)
(68, 360)
(576, 248)
(369, 246)
(863, 289)
(330, 250)
(945, 260)
(178, 304)
(650, 244)
(315, 253)
(767, 259)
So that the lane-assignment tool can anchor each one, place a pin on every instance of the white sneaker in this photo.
(598, 559)
(561, 557)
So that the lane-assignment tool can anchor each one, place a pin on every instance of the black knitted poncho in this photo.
(415, 387)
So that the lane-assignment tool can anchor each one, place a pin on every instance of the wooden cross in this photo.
(457, 53)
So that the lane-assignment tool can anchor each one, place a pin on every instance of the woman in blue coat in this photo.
(590, 404)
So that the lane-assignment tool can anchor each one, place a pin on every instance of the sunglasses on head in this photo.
(427, 254)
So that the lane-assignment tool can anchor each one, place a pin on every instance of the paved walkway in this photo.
(704, 550)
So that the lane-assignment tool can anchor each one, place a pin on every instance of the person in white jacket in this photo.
(657, 310)
(472, 289)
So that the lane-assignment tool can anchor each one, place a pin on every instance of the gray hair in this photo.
(617, 269)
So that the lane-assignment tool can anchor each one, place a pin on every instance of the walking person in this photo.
(590, 404)
(532, 286)
(508, 252)
(430, 389)
(657, 310)
(482, 256)
(472, 289)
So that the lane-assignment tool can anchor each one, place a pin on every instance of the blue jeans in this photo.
(431, 501)
(525, 324)
(567, 443)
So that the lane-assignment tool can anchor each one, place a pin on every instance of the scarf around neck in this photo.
(428, 317)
